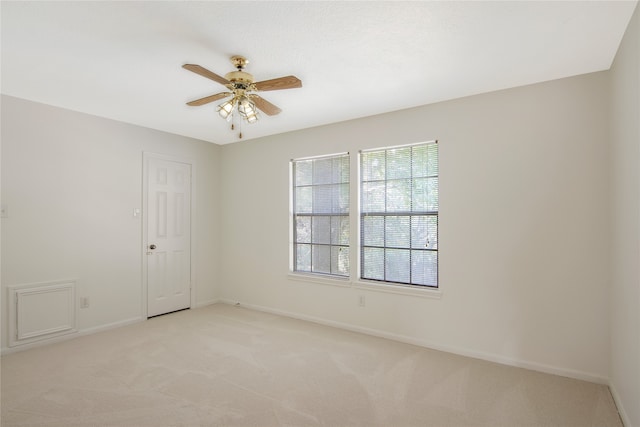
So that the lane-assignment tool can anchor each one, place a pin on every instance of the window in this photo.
(321, 215)
(399, 215)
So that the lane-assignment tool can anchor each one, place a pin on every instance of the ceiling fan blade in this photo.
(208, 99)
(206, 73)
(265, 106)
(288, 82)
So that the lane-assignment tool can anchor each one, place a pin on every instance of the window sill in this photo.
(367, 285)
(398, 289)
(323, 280)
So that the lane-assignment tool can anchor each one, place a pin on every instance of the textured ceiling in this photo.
(122, 60)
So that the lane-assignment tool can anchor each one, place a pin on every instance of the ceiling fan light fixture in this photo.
(226, 108)
(247, 109)
(252, 118)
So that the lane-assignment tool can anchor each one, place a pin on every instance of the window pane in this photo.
(397, 265)
(321, 229)
(322, 199)
(322, 171)
(425, 160)
(373, 197)
(420, 164)
(321, 259)
(341, 198)
(340, 260)
(399, 195)
(303, 229)
(432, 203)
(424, 232)
(397, 232)
(373, 166)
(303, 172)
(373, 231)
(303, 258)
(304, 199)
(425, 194)
(424, 268)
(341, 170)
(399, 163)
(340, 230)
(373, 263)
(432, 161)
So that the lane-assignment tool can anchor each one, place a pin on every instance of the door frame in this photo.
(146, 156)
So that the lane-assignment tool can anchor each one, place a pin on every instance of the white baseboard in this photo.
(113, 325)
(534, 366)
(616, 398)
(207, 302)
(87, 331)
(79, 333)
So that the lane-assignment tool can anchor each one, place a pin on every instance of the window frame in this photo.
(410, 213)
(354, 280)
(293, 266)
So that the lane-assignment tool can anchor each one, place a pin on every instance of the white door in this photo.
(168, 250)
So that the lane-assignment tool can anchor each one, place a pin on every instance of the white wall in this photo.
(625, 202)
(71, 182)
(524, 230)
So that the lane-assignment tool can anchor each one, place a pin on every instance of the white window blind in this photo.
(321, 215)
(399, 215)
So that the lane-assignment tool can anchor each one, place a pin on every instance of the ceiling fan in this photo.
(241, 91)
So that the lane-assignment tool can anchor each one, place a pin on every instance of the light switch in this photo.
(136, 212)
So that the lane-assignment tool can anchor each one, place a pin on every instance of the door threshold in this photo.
(169, 312)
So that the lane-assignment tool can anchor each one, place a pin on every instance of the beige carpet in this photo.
(228, 366)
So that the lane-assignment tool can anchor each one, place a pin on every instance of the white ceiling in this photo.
(122, 60)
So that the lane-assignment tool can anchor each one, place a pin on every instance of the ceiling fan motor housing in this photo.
(239, 77)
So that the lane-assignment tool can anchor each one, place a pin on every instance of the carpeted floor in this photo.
(228, 366)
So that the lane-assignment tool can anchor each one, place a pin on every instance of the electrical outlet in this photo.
(361, 300)
(84, 302)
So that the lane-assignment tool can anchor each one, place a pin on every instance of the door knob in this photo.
(152, 247)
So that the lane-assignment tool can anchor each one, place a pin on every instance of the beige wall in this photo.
(524, 231)
(71, 182)
(625, 203)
